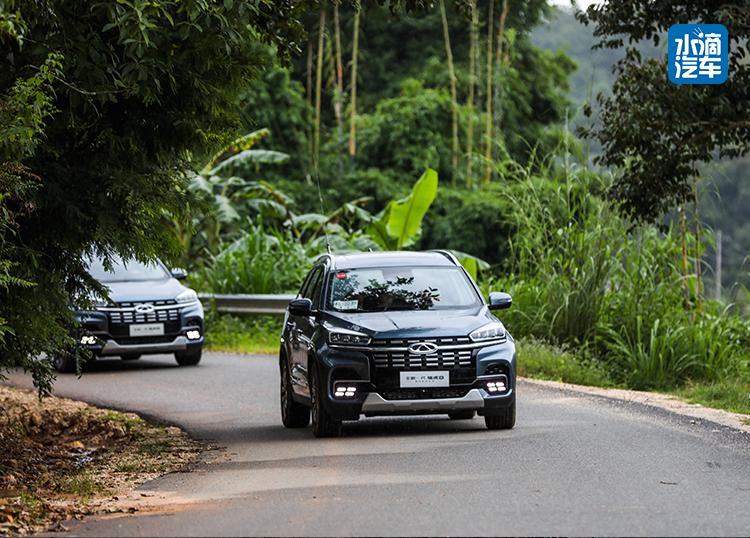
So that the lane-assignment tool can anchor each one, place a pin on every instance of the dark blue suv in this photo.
(394, 333)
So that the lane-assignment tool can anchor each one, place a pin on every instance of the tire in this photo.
(505, 421)
(293, 414)
(461, 415)
(189, 358)
(323, 424)
(133, 357)
(65, 364)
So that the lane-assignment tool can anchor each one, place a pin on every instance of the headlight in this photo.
(491, 331)
(187, 296)
(348, 338)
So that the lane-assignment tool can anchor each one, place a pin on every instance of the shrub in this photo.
(257, 262)
(457, 216)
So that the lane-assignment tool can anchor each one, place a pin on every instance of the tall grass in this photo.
(586, 278)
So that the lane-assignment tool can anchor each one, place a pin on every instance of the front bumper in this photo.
(111, 340)
(475, 400)
(112, 347)
(353, 367)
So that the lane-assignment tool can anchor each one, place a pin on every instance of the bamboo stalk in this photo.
(355, 53)
(318, 83)
(310, 133)
(497, 107)
(454, 102)
(472, 82)
(488, 101)
(339, 95)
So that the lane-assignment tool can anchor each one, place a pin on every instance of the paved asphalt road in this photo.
(574, 464)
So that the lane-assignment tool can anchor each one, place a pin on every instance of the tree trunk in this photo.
(355, 53)
(488, 117)
(472, 82)
(497, 107)
(318, 84)
(310, 133)
(339, 92)
(454, 103)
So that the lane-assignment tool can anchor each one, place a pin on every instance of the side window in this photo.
(308, 290)
(303, 291)
(317, 288)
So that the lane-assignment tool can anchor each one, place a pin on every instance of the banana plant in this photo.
(399, 225)
(229, 192)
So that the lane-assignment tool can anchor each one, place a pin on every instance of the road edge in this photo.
(666, 402)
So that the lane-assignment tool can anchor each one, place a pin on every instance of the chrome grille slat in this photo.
(127, 317)
(385, 356)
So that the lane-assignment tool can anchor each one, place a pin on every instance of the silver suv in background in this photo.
(148, 312)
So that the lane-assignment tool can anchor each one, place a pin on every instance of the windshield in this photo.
(400, 288)
(129, 271)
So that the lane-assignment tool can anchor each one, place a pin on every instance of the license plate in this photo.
(410, 380)
(147, 329)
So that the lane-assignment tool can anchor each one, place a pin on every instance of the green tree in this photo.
(100, 105)
(657, 133)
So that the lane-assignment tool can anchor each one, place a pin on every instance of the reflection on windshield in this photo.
(400, 288)
(395, 295)
(129, 271)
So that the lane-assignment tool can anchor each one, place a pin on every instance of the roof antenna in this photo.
(322, 211)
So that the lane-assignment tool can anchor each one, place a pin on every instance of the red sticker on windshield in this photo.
(341, 275)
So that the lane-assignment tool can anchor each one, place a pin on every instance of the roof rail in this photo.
(448, 254)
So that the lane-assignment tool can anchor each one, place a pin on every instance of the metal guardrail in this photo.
(247, 303)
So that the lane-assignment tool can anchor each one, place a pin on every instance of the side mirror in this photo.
(178, 273)
(499, 300)
(301, 307)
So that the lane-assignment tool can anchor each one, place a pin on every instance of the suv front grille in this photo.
(442, 358)
(157, 316)
(389, 357)
(120, 320)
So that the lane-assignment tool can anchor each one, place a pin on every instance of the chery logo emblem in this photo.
(423, 348)
(144, 308)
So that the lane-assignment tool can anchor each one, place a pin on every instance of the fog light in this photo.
(88, 340)
(496, 386)
(344, 390)
(193, 334)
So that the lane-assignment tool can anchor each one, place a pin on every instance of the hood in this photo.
(144, 290)
(414, 323)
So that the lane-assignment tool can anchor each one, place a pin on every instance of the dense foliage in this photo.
(99, 105)
(657, 133)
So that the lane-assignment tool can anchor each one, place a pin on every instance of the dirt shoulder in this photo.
(62, 459)
(667, 402)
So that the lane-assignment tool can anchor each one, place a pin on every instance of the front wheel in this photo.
(64, 363)
(504, 421)
(323, 424)
(188, 358)
(293, 414)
